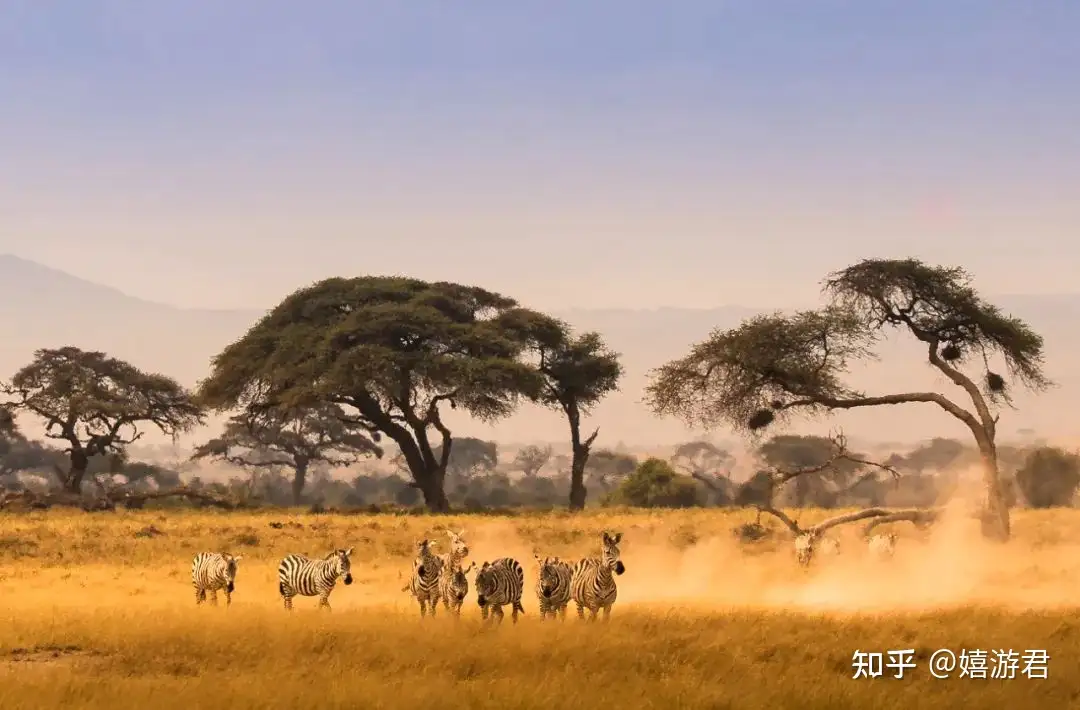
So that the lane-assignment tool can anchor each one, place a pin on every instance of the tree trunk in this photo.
(578, 491)
(299, 479)
(431, 484)
(79, 463)
(995, 513)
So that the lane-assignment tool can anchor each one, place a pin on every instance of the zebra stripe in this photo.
(453, 584)
(498, 583)
(302, 576)
(592, 585)
(211, 571)
(553, 586)
(882, 546)
(424, 583)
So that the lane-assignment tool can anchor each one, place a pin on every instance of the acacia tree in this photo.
(392, 352)
(577, 371)
(776, 365)
(97, 404)
(704, 461)
(530, 459)
(294, 440)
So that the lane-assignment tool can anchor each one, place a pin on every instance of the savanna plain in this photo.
(98, 612)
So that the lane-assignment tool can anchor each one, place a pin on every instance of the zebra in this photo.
(456, 587)
(424, 583)
(553, 586)
(450, 585)
(811, 542)
(591, 585)
(302, 576)
(882, 546)
(498, 583)
(211, 571)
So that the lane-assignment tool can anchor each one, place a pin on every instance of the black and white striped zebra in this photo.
(553, 586)
(302, 576)
(456, 587)
(424, 583)
(211, 571)
(592, 585)
(499, 583)
(451, 576)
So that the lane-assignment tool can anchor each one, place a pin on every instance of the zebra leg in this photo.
(580, 611)
(423, 607)
(497, 613)
(484, 613)
(228, 598)
(288, 603)
(324, 601)
(434, 604)
(513, 613)
(213, 597)
(200, 595)
(607, 612)
(592, 614)
(562, 613)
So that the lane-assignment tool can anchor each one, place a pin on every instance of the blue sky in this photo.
(222, 153)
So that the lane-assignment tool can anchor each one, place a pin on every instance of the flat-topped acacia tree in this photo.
(97, 404)
(296, 439)
(776, 365)
(392, 352)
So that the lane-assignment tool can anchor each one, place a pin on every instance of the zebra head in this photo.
(230, 570)
(459, 583)
(485, 583)
(458, 548)
(340, 558)
(549, 578)
(609, 554)
(424, 556)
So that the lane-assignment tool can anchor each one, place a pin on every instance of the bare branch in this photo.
(920, 517)
(791, 525)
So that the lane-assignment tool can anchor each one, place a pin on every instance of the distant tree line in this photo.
(346, 369)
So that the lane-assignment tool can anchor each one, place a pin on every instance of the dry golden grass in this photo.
(96, 617)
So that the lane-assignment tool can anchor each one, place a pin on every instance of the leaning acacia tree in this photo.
(296, 439)
(97, 404)
(775, 365)
(578, 371)
(392, 352)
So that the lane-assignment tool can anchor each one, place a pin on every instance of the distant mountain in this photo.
(44, 307)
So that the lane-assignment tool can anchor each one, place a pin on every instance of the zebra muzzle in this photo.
(481, 599)
(619, 567)
(230, 587)
(348, 579)
(546, 593)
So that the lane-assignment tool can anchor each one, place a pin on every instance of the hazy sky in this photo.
(602, 153)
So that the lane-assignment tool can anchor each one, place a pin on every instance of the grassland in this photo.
(98, 613)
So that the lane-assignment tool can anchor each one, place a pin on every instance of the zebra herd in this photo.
(589, 583)
(813, 542)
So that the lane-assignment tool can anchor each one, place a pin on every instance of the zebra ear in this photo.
(237, 558)
(617, 538)
(348, 552)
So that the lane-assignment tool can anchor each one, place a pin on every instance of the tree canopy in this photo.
(775, 365)
(530, 459)
(392, 351)
(294, 439)
(97, 404)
